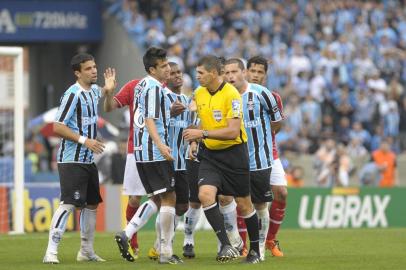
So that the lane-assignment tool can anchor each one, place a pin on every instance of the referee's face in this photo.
(203, 76)
(256, 74)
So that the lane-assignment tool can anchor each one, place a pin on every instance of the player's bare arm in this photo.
(66, 133)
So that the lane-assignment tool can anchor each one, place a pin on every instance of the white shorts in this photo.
(278, 174)
(132, 184)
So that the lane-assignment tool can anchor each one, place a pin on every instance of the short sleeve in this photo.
(67, 108)
(234, 105)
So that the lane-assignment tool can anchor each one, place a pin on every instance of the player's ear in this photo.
(77, 73)
(152, 70)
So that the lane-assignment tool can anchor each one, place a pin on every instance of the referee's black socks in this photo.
(251, 220)
(216, 220)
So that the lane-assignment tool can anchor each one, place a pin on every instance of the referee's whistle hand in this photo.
(192, 134)
(95, 146)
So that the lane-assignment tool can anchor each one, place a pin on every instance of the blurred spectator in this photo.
(295, 177)
(370, 174)
(385, 159)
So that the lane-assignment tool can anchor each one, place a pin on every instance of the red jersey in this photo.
(125, 97)
(280, 106)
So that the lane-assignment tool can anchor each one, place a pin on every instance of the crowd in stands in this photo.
(339, 66)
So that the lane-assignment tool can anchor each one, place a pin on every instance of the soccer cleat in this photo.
(274, 247)
(153, 254)
(252, 258)
(86, 257)
(136, 252)
(50, 258)
(188, 251)
(124, 247)
(174, 259)
(227, 253)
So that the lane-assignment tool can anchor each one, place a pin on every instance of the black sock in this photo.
(216, 220)
(253, 231)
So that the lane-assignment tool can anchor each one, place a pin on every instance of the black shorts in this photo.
(192, 176)
(227, 169)
(79, 184)
(260, 186)
(181, 187)
(156, 177)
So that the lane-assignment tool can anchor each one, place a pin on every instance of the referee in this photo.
(224, 166)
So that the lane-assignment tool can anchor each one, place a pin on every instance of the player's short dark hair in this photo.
(235, 61)
(78, 59)
(173, 64)
(151, 57)
(210, 62)
(259, 60)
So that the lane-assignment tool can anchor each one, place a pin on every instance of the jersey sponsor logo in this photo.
(178, 123)
(253, 123)
(138, 148)
(217, 115)
(87, 121)
(236, 107)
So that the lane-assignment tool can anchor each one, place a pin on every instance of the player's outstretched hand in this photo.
(94, 145)
(165, 151)
(110, 82)
(193, 150)
(177, 108)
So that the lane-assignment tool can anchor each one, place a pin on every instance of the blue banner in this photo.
(38, 21)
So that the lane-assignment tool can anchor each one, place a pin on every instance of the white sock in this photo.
(143, 214)
(167, 222)
(87, 228)
(230, 222)
(175, 225)
(158, 233)
(192, 217)
(58, 226)
(263, 219)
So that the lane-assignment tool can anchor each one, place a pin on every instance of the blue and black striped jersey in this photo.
(177, 125)
(152, 102)
(78, 111)
(260, 109)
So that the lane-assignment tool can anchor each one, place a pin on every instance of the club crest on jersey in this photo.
(217, 115)
(236, 107)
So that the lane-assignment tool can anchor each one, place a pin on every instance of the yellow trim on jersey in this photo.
(214, 110)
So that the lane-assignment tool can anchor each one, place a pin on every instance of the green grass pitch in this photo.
(304, 249)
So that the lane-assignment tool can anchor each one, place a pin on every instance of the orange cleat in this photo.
(244, 252)
(273, 246)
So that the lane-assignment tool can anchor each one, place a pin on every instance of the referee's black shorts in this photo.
(79, 184)
(227, 169)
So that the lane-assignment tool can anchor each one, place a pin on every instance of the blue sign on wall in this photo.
(37, 21)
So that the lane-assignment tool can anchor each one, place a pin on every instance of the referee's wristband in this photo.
(82, 139)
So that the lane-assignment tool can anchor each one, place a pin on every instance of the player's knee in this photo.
(181, 209)
(244, 206)
(281, 194)
(206, 197)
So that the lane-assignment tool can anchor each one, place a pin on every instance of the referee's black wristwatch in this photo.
(205, 134)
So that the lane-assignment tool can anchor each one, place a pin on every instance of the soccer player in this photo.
(76, 124)
(257, 68)
(132, 186)
(177, 123)
(153, 155)
(261, 115)
(224, 165)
